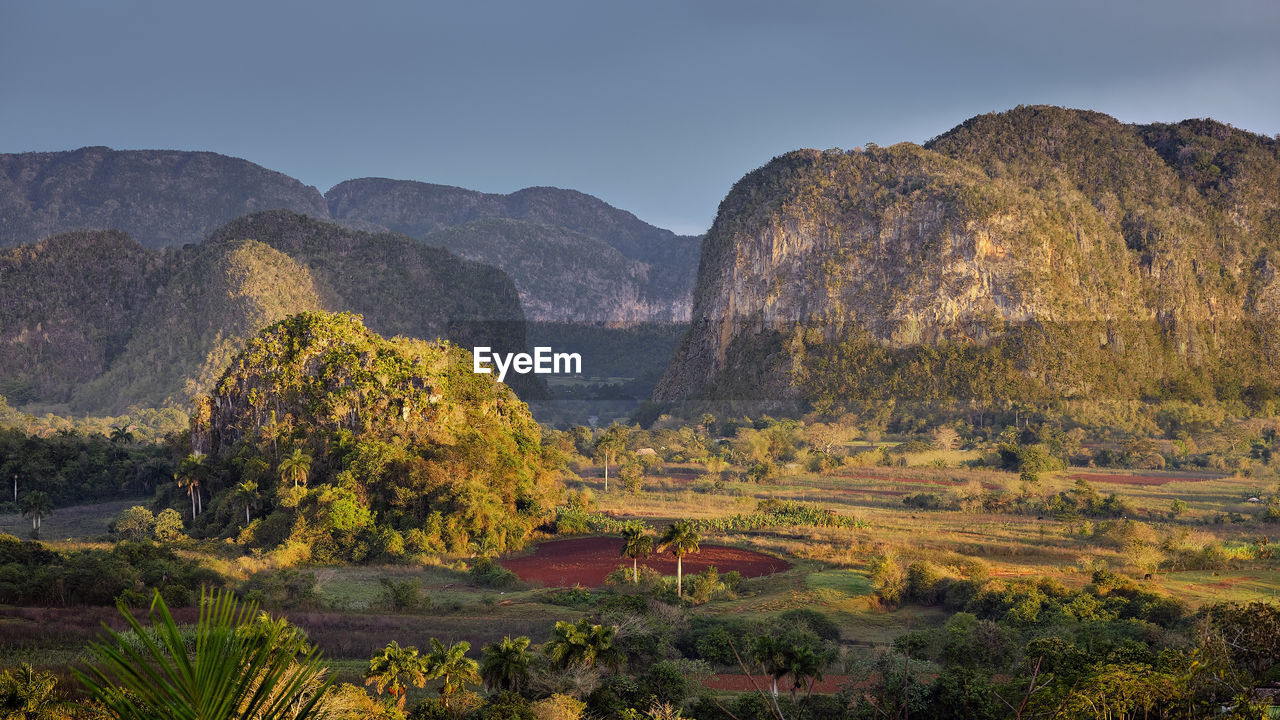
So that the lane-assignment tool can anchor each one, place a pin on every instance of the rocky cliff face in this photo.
(566, 276)
(158, 197)
(1080, 255)
(617, 267)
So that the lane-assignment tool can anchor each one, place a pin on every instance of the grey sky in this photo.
(656, 107)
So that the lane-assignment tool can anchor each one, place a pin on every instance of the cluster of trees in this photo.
(31, 573)
(70, 467)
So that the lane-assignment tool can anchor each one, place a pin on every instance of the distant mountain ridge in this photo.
(163, 198)
(158, 197)
(599, 263)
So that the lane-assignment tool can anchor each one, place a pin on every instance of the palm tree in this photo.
(28, 694)
(394, 669)
(121, 434)
(451, 664)
(227, 672)
(680, 539)
(36, 505)
(803, 663)
(247, 493)
(636, 544)
(607, 447)
(190, 475)
(583, 644)
(770, 653)
(506, 664)
(295, 467)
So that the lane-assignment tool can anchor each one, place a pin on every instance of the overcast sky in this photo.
(656, 107)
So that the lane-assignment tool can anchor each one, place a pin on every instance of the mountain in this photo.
(218, 295)
(562, 275)
(158, 197)
(574, 257)
(94, 320)
(68, 305)
(1038, 254)
(619, 267)
(400, 435)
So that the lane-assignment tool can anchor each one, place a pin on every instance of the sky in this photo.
(656, 107)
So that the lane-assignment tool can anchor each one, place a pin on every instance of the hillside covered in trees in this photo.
(572, 256)
(98, 322)
(1039, 255)
(354, 446)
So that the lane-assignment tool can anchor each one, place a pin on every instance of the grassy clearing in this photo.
(70, 523)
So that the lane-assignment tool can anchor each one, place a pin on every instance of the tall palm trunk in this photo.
(246, 514)
(635, 571)
(679, 576)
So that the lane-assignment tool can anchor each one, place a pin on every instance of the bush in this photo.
(923, 501)
(814, 621)
(487, 573)
(136, 523)
(400, 594)
(286, 589)
(168, 526)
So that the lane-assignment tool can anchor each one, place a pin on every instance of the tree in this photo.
(190, 476)
(506, 664)
(226, 672)
(583, 644)
(136, 523)
(26, 694)
(295, 467)
(637, 544)
(36, 505)
(247, 494)
(168, 525)
(451, 664)
(680, 539)
(121, 434)
(611, 442)
(394, 669)
(632, 475)
(769, 653)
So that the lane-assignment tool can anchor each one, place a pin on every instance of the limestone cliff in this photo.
(1036, 254)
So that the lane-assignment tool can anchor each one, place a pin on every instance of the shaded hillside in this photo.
(96, 320)
(219, 295)
(158, 197)
(68, 305)
(399, 285)
(654, 266)
(1037, 254)
(562, 275)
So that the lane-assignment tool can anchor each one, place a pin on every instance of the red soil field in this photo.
(587, 560)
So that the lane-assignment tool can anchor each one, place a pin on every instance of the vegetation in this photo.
(381, 448)
(242, 666)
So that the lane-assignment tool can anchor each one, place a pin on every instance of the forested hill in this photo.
(609, 265)
(1036, 254)
(158, 197)
(572, 256)
(96, 321)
